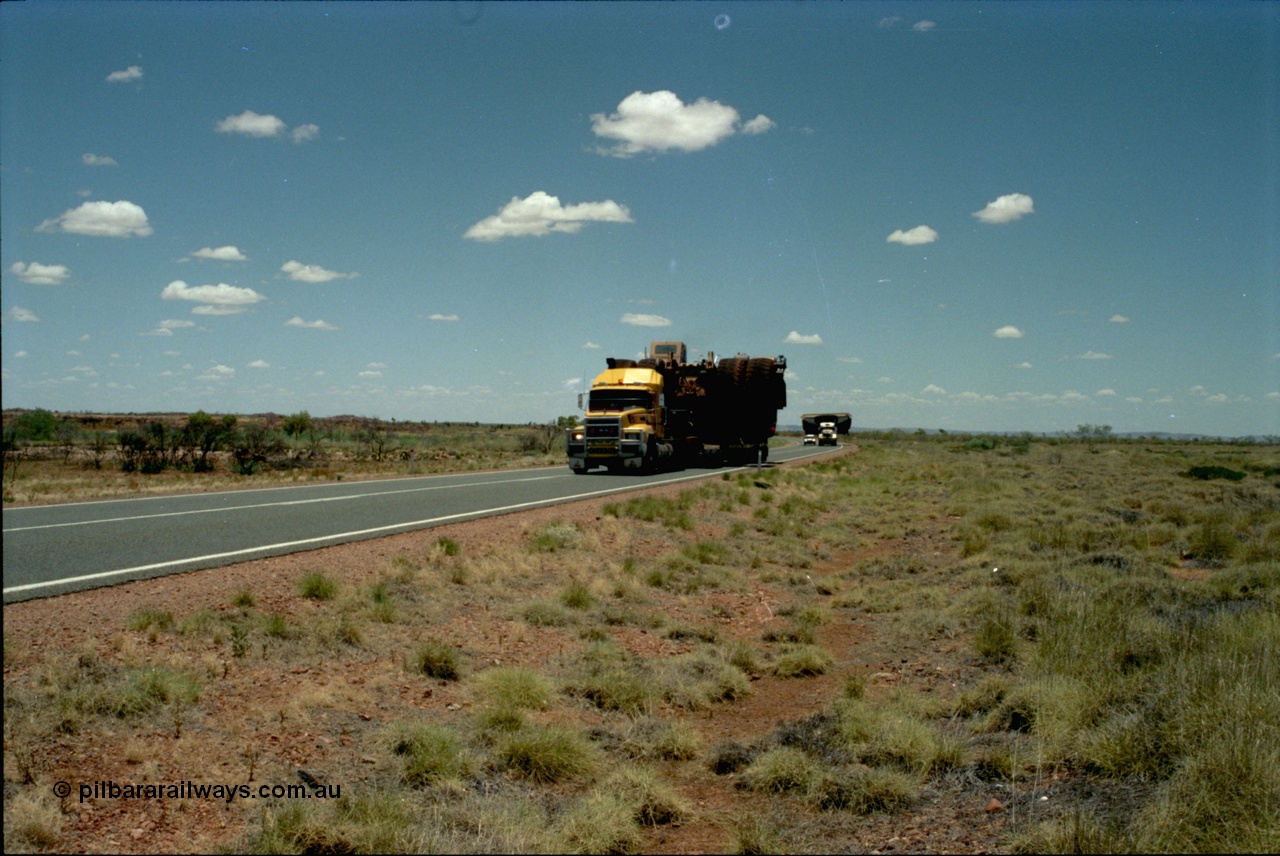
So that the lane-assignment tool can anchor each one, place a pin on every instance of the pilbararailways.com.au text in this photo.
(196, 790)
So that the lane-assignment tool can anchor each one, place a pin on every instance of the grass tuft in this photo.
(438, 659)
(317, 587)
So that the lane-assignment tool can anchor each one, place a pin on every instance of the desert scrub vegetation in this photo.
(1077, 618)
(60, 457)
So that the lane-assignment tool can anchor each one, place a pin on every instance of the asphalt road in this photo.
(54, 549)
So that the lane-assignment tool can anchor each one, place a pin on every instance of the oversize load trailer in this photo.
(664, 409)
(826, 426)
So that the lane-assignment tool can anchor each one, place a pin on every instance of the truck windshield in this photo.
(620, 399)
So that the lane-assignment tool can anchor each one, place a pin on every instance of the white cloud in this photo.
(38, 274)
(212, 295)
(298, 272)
(540, 213)
(295, 321)
(176, 323)
(1008, 331)
(1006, 209)
(933, 389)
(373, 373)
(133, 72)
(639, 319)
(437, 316)
(924, 26)
(91, 159)
(848, 359)
(1023, 365)
(1218, 398)
(212, 309)
(660, 121)
(305, 133)
(1119, 319)
(252, 124)
(1106, 393)
(119, 219)
(159, 331)
(20, 354)
(572, 382)
(1092, 355)
(259, 364)
(591, 346)
(17, 313)
(797, 338)
(218, 372)
(919, 235)
(228, 253)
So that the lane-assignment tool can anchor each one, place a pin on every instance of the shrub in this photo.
(599, 822)
(651, 800)
(802, 661)
(1213, 539)
(864, 790)
(557, 536)
(33, 817)
(317, 587)
(437, 659)
(379, 823)
(782, 769)
(576, 596)
(995, 639)
(618, 686)
(543, 613)
(756, 834)
(149, 688)
(695, 680)
(729, 757)
(431, 753)
(516, 688)
(660, 740)
(1207, 473)
(148, 617)
(546, 755)
(277, 626)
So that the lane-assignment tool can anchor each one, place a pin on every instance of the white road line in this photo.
(274, 504)
(341, 535)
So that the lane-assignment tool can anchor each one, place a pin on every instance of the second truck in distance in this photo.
(641, 414)
(823, 429)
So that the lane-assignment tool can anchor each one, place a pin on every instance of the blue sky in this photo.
(970, 216)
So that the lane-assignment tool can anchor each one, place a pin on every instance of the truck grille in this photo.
(604, 429)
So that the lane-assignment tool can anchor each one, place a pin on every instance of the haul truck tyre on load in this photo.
(664, 410)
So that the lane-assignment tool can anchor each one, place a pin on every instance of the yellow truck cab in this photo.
(622, 427)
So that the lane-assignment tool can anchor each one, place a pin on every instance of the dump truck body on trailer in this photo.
(641, 414)
(825, 427)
